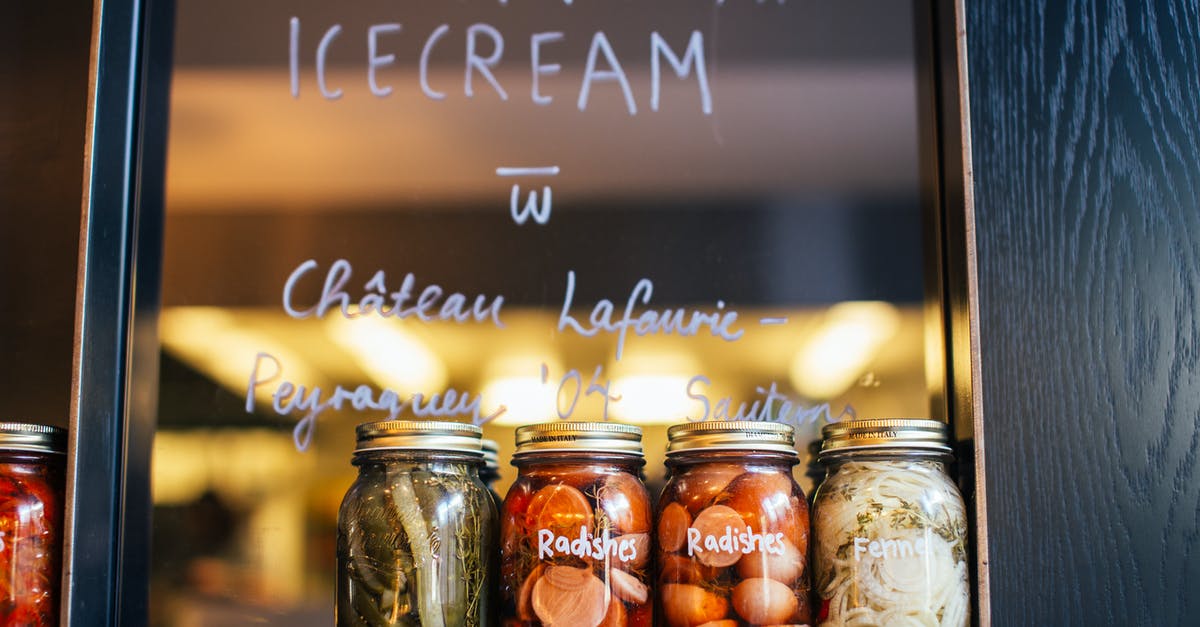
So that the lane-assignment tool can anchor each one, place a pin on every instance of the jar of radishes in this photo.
(575, 528)
(732, 528)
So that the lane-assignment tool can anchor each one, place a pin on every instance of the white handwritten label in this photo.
(733, 541)
(888, 549)
(586, 546)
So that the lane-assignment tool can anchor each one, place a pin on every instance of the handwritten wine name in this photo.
(290, 399)
(433, 304)
(429, 306)
(603, 64)
(788, 411)
(682, 322)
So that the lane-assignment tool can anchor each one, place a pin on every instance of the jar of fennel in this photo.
(416, 529)
(889, 527)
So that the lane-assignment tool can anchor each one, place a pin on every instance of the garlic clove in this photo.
(686, 605)
(673, 524)
(701, 484)
(641, 544)
(627, 587)
(785, 568)
(559, 508)
(623, 498)
(763, 601)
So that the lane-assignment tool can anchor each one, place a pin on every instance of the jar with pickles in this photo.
(889, 527)
(416, 529)
(732, 528)
(575, 528)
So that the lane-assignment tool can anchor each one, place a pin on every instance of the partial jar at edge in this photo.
(575, 528)
(489, 473)
(732, 527)
(32, 469)
(416, 529)
(889, 527)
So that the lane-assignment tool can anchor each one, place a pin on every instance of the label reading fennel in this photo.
(884, 549)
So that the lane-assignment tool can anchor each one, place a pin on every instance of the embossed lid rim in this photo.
(578, 436)
(731, 435)
(32, 437)
(877, 434)
(419, 435)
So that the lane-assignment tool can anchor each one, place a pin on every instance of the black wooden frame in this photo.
(114, 378)
(114, 388)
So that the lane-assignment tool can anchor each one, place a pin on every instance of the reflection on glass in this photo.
(794, 201)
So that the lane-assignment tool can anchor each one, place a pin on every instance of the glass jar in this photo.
(575, 528)
(890, 527)
(489, 473)
(416, 529)
(732, 527)
(32, 465)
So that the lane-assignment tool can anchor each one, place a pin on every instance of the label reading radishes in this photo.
(586, 546)
(744, 541)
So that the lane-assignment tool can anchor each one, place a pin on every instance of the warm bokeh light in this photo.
(837, 353)
(652, 386)
(215, 342)
(515, 382)
(391, 354)
(652, 399)
(238, 463)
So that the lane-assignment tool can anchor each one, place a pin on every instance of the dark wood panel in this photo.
(1086, 132)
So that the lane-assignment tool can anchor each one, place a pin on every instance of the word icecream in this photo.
(603, 64)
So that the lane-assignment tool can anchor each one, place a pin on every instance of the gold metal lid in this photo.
(435, 435)
(742, 435)
(885, 433)
(23, 436)
(491, 454)
(597, 437)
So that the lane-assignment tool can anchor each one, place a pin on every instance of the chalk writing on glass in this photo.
(295, 399)
(787, 411)
(484, 57)
(683, 322)
(520, 214)
(429, 306)
(571, 386)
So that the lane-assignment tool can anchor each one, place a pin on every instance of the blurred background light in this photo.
(391, 354)
(839, 351)
(515, 382)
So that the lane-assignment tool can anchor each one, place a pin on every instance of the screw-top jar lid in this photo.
(885, 433)
(23, 436)
(596, 437)
(744, 435)
(457, 437)
(491, 455)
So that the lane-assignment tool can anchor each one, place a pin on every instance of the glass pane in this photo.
(511, 213)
